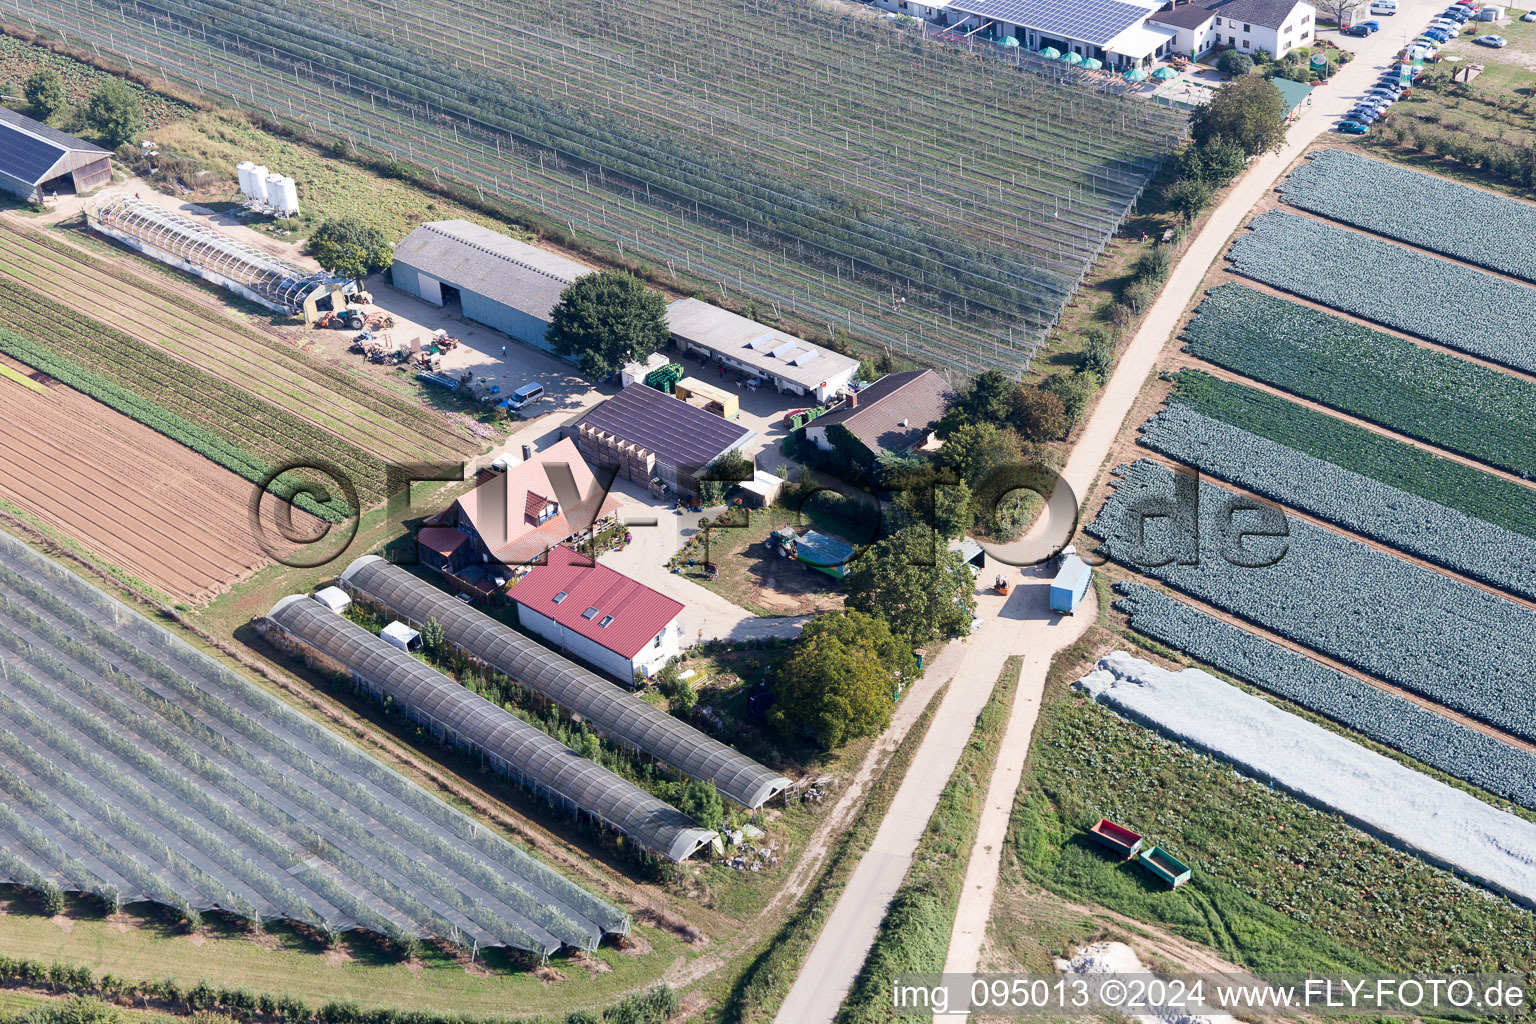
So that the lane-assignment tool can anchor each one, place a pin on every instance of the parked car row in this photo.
(1390, 87)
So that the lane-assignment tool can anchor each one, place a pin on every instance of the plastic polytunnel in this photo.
(526, 754)
(612, 712)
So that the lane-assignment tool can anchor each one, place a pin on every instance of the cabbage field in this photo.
(1449, 642)
(1383, 459)
(830, 168)
(1394, 721)
(1475, 411)
(1444, 302)
(1444, 216)
(1424, 529)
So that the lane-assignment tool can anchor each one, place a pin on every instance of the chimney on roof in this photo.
(853, 399)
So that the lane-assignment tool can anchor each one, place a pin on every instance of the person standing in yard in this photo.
(503, 351)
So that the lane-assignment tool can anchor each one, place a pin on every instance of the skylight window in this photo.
(590, 613)
(560, 597)
(607, 621)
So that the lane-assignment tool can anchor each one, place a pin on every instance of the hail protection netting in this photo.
(135, 768)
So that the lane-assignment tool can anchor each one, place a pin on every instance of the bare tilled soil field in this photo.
(133, 496)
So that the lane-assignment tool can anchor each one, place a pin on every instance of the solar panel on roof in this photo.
(26, 158)
(1089, 21)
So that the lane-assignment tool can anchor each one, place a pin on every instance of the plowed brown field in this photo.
(130, 495)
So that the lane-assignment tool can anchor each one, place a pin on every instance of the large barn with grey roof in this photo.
(36, 160)
(494, 280)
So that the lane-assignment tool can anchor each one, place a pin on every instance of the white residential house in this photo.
(936, 11)
(1278, 26)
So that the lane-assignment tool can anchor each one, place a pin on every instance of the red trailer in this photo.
(1117, 837)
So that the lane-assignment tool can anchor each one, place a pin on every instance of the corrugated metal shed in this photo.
(492, 265)
(31, 153)
(606, 607)
(617, 714)
(518, 749)
(757, 346)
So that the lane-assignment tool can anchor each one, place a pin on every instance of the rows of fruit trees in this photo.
(137, 769)
(840, 171)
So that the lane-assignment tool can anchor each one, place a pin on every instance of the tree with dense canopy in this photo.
(115, 111)
(349, 247)
(921, 590)
(608, 319)
(840, 682)
(1248, 111)
(946, 507)
(701, 802)
(976, 449)
(45, 93)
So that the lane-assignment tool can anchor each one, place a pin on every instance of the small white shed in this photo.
(334, 598)
(398, 634)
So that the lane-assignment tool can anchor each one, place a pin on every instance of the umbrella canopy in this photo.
(1093, 63)
(1072, 57)
(1135, 75)
(1007, 41)
(1163, 74)
(1050, 53)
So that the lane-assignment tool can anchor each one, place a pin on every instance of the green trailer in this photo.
(1165, 866)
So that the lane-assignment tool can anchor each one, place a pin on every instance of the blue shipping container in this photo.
(1070, 585)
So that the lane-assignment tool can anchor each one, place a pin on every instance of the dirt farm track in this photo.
(130, 495)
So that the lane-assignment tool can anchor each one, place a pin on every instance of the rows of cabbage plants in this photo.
(1424, 529)
(1472, 410)
(713, 143)
(1434, 213)
(1388, 461)
(136, 767)
(1385, 717)
(1444, 302)
(1447, 641)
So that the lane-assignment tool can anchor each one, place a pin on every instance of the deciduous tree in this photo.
(349, 247)
(916, 585)
(608, 319)
(1247, 111)
(45, 93)
(115, 111)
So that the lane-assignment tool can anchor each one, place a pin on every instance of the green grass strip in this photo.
(914, 937)
(140, 409)
(22, 379)
(1404, 466)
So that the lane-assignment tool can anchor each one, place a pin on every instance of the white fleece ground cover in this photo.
(1442, 824)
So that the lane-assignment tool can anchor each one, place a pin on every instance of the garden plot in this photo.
(1383, 716)
(1403, 466)
(1449, 642)
(1442, 824)
(1436, 299)
(1470, 224)
(137, 769)
(1465, 408)
(1421, 528)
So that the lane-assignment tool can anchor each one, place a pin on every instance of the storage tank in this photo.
(243, 169)
(258, 184)
(283, 194)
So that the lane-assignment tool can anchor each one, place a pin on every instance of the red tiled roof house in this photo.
(603, 617)
(513, 517)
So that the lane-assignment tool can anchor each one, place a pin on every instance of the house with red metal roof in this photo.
(515, 515)
(599, 615)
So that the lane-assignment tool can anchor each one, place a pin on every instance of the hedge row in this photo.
(654, 1006)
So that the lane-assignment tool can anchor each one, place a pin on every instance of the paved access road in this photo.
(1023, 626)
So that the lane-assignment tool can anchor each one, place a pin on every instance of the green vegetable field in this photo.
(1276, 885)
(1465, 408)
(1453, 484)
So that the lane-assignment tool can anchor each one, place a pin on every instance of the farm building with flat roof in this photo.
(36, 160)
(788, 363)
(647, 435)
(494, 280)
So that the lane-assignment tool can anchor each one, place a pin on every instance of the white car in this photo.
(1497, 42)
(1528, 16)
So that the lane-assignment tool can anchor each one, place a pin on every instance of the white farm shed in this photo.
(790, 364)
